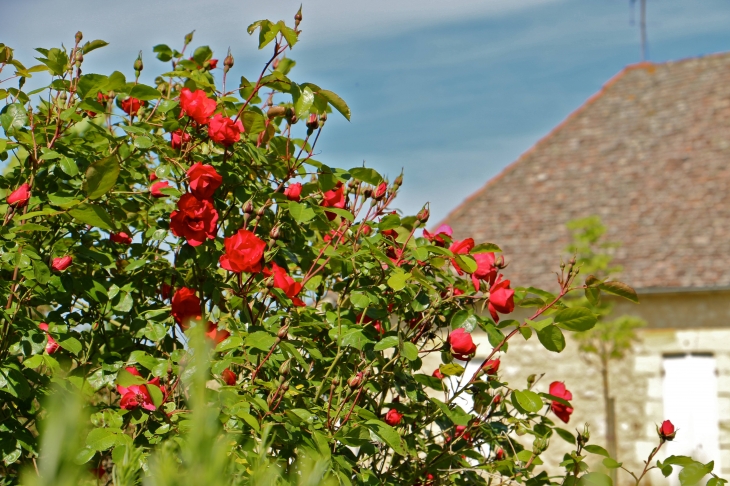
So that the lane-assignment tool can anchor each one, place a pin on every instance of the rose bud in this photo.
(666, 431)
(121, 237)
(51, 345)
(437, 374)
(153, 177)
(462, 346)
(398, 181)
(294, 191)
(380, 191)
(228, 62)
(491, 367)
(283, 332)
(229, 377)
(285, 367)
(423, 215)
(557, 389)
(393, 417)
(155, 188)
(61, 264)
(20, 196)
(499, 455)
(355, 381)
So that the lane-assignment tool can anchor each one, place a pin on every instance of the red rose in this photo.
(462, 247)
(557, 389)
(196, 105)
(366, 229)
(437, 374)
(165, 291)
(286, 283)
(393, 418)
(667, 431)
(185, 305)
(458, 291)
(212, 63)
(224, 130)
(195, 220)
(462, 346)
(499, 455)
(131, 106)
(501, 298)
(380, 191)
(155, 188)
(485, 269)
(179, 138)
(51, 346)
(215, 335)
(334, 198)
(135, 396)
(121, 237)
(436, 237)
(229, 377)
(153, 177)
(491, 367)
(61, 264)
(294, 191)
(244, 253)
(203, 180)
(20, 196)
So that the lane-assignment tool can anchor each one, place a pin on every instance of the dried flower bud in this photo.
(138, 65)
(282, 333)
(248, 207)
(423, 214)
(189, 38)
(228, 61)
(355, 381)
(275, 232)
(398, 181)
(539, 445)
(261, 211)
(285, 367)
(285, 386)
(275, 64)
(276, 111)
(269, 282)
(335, 381)
(79, 57)
(367, 192)
(531, 380)
(312, 121)
(79, 36)
(298, 17)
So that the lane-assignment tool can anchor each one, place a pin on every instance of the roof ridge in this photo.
(574, 114)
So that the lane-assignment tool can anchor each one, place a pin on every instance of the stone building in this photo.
(649, 154)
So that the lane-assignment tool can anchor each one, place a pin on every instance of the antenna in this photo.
(642, 25)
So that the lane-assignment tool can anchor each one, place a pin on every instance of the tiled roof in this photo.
(650, 154)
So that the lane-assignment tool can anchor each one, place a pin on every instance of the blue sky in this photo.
(450, 91)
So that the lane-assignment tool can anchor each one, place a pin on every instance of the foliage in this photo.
(228, 310)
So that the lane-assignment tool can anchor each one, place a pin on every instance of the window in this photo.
(690, 402)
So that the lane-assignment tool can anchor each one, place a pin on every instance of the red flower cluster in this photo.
(283, 281)
(121, 237)
(51, 346)
(224, 130)
(195, 220)
(131, 106)
(462, 346)
(557, 389)
(20, 196)
(203, 180)
(244, 253)
(185, 306)
(61, 264)
(501, 298)
(135, 396)
(196, 105)
(294, 191)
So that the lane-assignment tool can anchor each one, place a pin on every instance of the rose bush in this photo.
(190, 297)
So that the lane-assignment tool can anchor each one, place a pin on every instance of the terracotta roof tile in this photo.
(650, 154)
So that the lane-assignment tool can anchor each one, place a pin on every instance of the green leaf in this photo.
(485, 248)
(595, 479)
(359, 299)
(303, 102)
(575, 319)
(355, 338)
(155, 394)
(388, 435)
(456, 415)
(72, 345)
(68, 166)
(552, 338)
(14, 382)
(301, 212)
(127, 379)
(42, 272)
(102, 439)
(397, 281)
(429, 381)
(451, 369)
(596, 449)
(621, 289)
(14, 118)
(101, 177)
(593, 295)
(253, 122)
(164, 53)
(409, 351)
(611, 463)
(144, 92)
(260, 340)
(337, 102)
(366, 174)
(693, 473)
(565, 435)
(386, 342)
(91, 45)
(466, 263)
(93, 215)
(528, 400)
